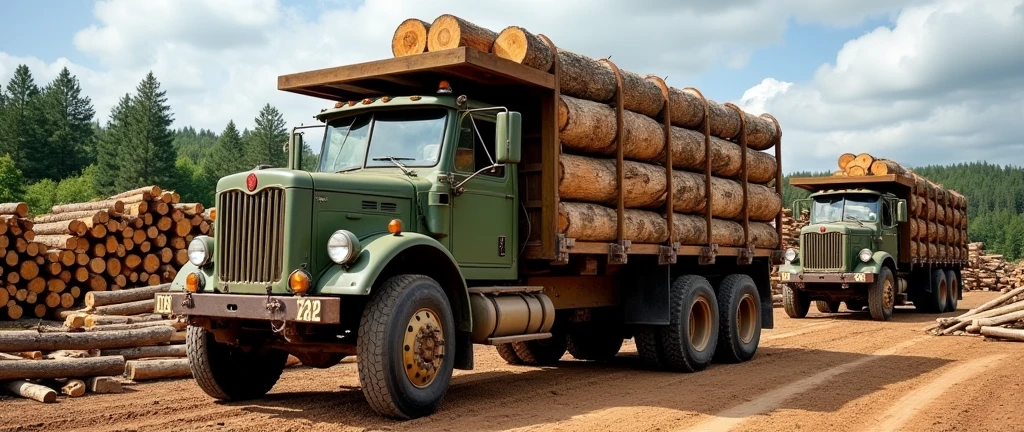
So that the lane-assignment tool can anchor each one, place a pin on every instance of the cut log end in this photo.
(410, 38)
(518, 45)
(449, 31)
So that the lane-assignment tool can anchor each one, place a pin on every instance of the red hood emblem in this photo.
(820, 229)
(250, 182)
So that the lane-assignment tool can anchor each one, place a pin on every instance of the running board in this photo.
(517, 338)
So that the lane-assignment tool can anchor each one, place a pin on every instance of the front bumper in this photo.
(845, 278)
(316, 310)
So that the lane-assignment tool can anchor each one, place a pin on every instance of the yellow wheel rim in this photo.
(423, 348)
(700, 324)
(746, 318)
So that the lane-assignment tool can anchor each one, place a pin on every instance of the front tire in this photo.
(230, 373)
(882, 296)
(406, 347)
(795, 302)
(739, 317)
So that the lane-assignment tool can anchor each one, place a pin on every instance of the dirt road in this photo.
(833, 372)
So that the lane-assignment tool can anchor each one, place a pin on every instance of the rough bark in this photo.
(176, 324)
(996, 332)
(62, 368)
(18, 209)
(69, 242)
(35, 341)
(87, 215)
(29, 390)
(726, 123)
(885, 167)
(410, 38)
(171, 351)
(589, 127)
(110, 206)
(595, 180)
(585, 78)
(449, 31)
(592, 222)
(103, 298)
(96, 320)
(519, 45)
(131, 308)
(149, 192)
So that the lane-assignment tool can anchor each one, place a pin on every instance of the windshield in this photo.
(409, 138)
(835, 208)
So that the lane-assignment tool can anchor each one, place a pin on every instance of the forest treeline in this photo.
(995, 201)
(56, 149)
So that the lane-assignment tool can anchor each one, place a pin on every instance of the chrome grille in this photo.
(823, 251)
(250, 240)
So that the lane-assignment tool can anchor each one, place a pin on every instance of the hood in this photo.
(271, 177)
(382, 183)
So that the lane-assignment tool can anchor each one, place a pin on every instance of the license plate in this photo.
(784, 276)
(162, 304)
(308, 310)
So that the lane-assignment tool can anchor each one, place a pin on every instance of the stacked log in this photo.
(988, 272)
(937, 216)
(587, 126)
(790, 239)
(1001, 318)
(136, 238)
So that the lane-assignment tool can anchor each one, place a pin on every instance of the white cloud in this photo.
(943, 85)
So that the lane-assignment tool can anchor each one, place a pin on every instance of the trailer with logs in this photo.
(487, 188)
(879, 236)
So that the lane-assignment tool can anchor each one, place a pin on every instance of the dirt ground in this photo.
(834, 372)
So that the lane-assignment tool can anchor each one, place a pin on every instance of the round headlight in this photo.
(199, 252)
(790, 254)
(865, 255)
(343, 247)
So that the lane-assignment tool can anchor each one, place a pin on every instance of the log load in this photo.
(589, 128)
(592, 222)
(410, 38)
(585, 78)
(594, 180)
(449, 31)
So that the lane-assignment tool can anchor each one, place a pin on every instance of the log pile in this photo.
(989, 272)
(790, 239)
(587, 123)
(1001, 318)
(937, 216)
(137, 238)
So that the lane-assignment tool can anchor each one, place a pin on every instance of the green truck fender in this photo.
(874, 266)
(416, 253)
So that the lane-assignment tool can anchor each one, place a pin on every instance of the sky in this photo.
(918, 81)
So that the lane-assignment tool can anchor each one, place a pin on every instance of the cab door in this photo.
(483, 228)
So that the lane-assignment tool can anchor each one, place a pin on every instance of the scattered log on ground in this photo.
(103, 385)
(33, 340)
(141, 370)
(173, 351)
(29, 390)
(995, 332)
(64, 368)
(73, 388)
(130, 308)
(103, 298)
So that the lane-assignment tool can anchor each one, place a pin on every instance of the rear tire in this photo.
(508, 353)
(855, 305)
(739, 318)
(596, 341)
(933, 301)
(229, 373)
(542, 352)
(953, 287)
(406, 347)
(795, 302)
(827, 306)
(690, 339)
(882, 296)
(648, 346)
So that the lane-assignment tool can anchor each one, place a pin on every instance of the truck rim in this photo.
(746, 318)
(700, 324)
(888, 297)
(423, 348)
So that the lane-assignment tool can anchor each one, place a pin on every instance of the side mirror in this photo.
(508, 137)
(901, 211)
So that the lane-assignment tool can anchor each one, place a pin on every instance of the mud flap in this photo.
(761, 273)
(645, 292)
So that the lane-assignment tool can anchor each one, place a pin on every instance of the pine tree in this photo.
(138, 149)
(67, 131)
(227, 156)
(266, 143)
(20, 120)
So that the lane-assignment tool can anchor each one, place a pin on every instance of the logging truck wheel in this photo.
(882, 296)
(795, 302)
(827, 306)
(739, 317)
(953, 284)
(542, 352)
(406, 346)
(691, 337)
(232, 373)
(598, 341)
(855, 305)
(508, 353)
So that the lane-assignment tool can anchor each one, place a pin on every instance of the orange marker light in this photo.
(444, 87)
(213, 214)
(395, 227)
(192, 282)
(299, 282)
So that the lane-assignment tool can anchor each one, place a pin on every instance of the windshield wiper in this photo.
(395, 160)
(854, 218)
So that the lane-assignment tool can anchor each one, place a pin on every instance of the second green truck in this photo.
(876, 241)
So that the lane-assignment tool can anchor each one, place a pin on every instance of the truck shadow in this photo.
(530, 396)
(904, 314)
